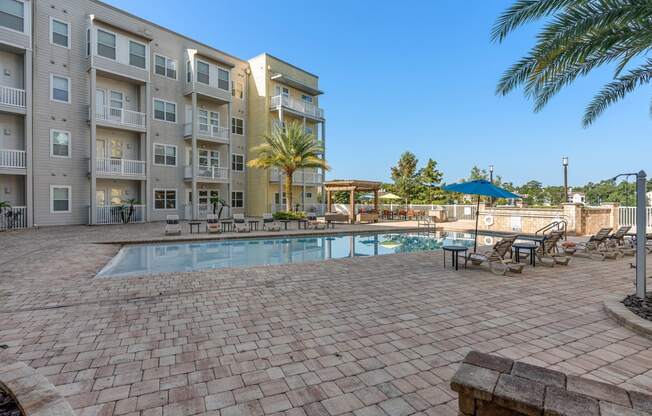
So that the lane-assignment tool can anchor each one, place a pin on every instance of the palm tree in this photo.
(288, 149)
(577, 37)
(215, 202)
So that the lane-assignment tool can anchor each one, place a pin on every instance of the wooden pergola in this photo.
(351, 186)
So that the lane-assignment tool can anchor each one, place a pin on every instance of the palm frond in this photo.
(617, 90)
(525, 11)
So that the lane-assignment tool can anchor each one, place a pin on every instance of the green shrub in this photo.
(289, 215)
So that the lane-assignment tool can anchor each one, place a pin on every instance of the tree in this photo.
(477, 173)
(430, 177)
(288, 149)
(127, 210)
(215, 202)
(577, 37)
(404, 175)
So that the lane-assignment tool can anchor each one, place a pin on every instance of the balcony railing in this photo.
(298, 177)
(13, 97)
(120, 167)
(12, 218)
(13, 159)
(120, 116)
(120, 214)
(297, 105)
(209, 172)
(208, 131)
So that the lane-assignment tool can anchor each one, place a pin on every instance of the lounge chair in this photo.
(212, 224)
(313, 223)
(270, 224)
(239, 223)
(499, 254)
(172, 225)
(595, 247)
(616, 242)
(548, 252)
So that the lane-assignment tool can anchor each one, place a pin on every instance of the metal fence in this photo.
(627, 216)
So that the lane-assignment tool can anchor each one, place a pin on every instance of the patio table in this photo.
(227, 225)
(285, 223)
(525, 246)
(194, 224)
(455, 255)
(253, 224)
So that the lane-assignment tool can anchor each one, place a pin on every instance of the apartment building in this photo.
(99, 107)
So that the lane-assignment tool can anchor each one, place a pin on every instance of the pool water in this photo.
(183, 257)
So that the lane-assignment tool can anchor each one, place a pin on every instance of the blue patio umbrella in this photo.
(480, 188)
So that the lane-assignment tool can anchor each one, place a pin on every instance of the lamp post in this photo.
(564, 161)
(641, 202)
(491, 180)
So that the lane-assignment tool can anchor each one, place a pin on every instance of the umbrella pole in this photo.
(477, 217)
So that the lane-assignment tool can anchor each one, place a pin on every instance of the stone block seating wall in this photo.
(35, 395)
(489, 385)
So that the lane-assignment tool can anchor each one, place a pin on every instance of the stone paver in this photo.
(364, 336)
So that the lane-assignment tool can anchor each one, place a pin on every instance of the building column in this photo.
(29, 147)
(93, 151)
(280, 172)
(303, 178)
(146, 187)
(229, 162)
(323, 155)
(195, 159)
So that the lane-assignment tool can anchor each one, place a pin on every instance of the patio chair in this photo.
(239, 223)
(212, 224)
(595, 247)
(616, 242)
(172, 225)
(548, 252)
(499, 254)
(269, 223)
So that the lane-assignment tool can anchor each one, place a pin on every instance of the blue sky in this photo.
(420, 76)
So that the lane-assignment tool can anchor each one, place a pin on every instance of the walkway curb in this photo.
(615, 309)
(33, 393)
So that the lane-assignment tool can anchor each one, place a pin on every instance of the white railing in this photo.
(205, 209)
(209, 131)
(298, 177)
(627, 216)
(120, 116)
(13, 97)
(319, 209)
(120, 214)
(297, 105)
(210, 172)
(14, 159)
(120, 167)
(12, 218)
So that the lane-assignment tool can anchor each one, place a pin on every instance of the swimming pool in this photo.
(182, 257)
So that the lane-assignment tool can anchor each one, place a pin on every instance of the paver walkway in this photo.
(364, 336)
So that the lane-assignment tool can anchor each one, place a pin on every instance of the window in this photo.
(209, 158)
(282, 91)
(60, 88)
(105, 44)
(88, 42)
(116, 100)
(237, 199)
(237, 162)
(12, 14)
(223, 79)
(205, 196)
(165, 155)
(306, 98)
(137, 54)
(237, 125)
(165, 111)
(165, 199)
(308, 195)
(59, 33)
(203, 72)
(237, 89)
(116, 149)
(188, 72)
(165, 66)
(59, 198)
(59, 143)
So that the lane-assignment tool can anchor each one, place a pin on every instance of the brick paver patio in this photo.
(364, 336)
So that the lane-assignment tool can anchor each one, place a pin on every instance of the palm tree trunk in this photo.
(288, 190)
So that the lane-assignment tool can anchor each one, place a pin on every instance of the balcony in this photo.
(134, 169)
(119, 214)
(299, 107)
(298, 178)
(215, 134)
(120, 118)
(13, 100)
(13, 159)
(208, 174)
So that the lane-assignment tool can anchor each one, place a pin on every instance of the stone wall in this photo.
(489, 385)
(581, 220)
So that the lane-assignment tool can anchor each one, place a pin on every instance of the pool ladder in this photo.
(560, 225)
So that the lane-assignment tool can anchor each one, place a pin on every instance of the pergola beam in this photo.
(351, 186)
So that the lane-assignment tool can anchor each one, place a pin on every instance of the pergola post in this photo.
(376, 200)
(352, 206)
(329, 201)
